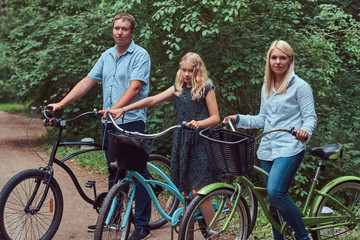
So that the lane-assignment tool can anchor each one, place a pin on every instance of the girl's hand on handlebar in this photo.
(115, 113)
(193, 124)
(301, 135)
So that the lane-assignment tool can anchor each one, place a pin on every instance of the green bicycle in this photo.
(332, 211)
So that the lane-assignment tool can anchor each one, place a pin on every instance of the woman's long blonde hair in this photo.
(269, 74)
(199, 80)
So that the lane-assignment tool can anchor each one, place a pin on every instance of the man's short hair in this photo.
(127, 17)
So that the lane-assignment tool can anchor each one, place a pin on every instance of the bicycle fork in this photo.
(113, 209)
(232, 205)
(46, 180)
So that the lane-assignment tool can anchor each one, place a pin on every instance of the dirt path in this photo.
(16, 155)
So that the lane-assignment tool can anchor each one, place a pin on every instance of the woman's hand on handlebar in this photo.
(226, 119)
(115, 113)
(301, 135)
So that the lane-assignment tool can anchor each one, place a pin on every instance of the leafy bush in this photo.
(50, 45)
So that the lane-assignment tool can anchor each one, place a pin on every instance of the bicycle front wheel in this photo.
(348, 194)
(252, 203)
(21, 214)
(250, 198)
(193, 224)
(167, 200)
(110, 222)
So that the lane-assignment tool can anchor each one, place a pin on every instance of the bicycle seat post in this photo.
(312, 187)
(318, 168)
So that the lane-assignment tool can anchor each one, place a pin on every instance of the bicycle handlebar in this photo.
(291, 131)
(58, 122)
(145, 135)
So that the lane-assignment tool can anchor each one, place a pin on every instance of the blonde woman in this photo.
(286, 100)
(195, 103)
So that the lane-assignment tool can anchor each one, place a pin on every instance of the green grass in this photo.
(262, 229)
(16, 108)
(94, 160)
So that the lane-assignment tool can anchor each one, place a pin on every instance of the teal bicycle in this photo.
(129, 151)
(331, 212)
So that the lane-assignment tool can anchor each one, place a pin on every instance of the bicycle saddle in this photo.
(327, 152)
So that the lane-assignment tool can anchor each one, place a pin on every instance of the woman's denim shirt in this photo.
(294, 108)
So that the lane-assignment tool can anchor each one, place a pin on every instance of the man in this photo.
(124, 71)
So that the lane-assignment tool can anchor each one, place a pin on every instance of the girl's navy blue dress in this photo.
(189, 166)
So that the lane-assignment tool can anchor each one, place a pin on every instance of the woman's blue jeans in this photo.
(142, 198)
(281, 174)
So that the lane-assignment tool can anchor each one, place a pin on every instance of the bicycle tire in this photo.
(348, 193)
(237, 229)
(250, 198)
(167, 200)
(18, 223)
(112, 230)
(252, 203)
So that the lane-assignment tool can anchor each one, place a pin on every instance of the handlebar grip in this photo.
(185, 126)
(224, 124)
(293, 132)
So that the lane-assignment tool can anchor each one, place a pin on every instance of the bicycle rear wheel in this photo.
(167, 200)
(348, 194)
(112, 213)
(17, 221)
(193, 223)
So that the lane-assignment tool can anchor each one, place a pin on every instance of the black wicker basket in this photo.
(228, 151)
(130, 152)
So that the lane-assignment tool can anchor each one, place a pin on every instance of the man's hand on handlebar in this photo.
(53, 107)
(115, 113)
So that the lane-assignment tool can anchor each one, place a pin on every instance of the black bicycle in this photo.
(31, 202)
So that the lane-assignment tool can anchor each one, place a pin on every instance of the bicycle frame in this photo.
(61, 163)
(309, 217)
(169, 185)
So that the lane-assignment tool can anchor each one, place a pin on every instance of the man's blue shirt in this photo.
(116, 75)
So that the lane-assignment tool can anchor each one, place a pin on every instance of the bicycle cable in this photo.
(27, 134)
(103, 142)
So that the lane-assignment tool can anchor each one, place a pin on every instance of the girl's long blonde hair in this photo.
(269, 74)
(199, 80)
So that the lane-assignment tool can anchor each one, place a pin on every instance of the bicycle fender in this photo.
(211, 187)
(175, 218)
(327, 188)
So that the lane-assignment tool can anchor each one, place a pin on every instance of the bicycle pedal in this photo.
(90, 183)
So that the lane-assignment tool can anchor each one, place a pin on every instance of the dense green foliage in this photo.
(48, 45)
